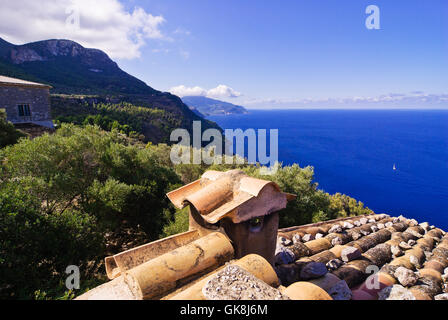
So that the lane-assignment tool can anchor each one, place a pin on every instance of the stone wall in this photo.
(37, 98)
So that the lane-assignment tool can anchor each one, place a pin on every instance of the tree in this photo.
(8, 133)
(74, 197)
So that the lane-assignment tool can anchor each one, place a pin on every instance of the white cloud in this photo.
(220, 92)
(182, 31)
(103, 24)
(416, 99)
(223, 91)
(183, 91)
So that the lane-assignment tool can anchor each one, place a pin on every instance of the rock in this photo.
(412, 242)
(334, 264)
(374, 229)
(335, 229)
(443, 296)
(363, 221)
(414, 233)
(380, 226)
(395, 292)
(389, 224)
(284, 241)
(406, 277)
(347, 225)
(357, 223)
(396, 220)
(284, 255)
(350, 253)
(356, 235)
(413, 222)
(403, 245)
(313, 270)
(235, 283)
(365, 232)
(300, 250)
(445, 277)
(372, 220)
(445, 271)
(336, 241)
(428, 255)
(396, 251)
(296, 238)
(319, 236)
(425, 226)
(432, 227)
(288, 273)
(340, 291)
(308, 237)
(414, 261)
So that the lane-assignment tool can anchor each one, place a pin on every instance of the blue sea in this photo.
(354, 152)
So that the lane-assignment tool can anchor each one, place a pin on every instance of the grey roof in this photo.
(18, 82)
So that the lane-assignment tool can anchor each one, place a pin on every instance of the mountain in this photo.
(74, 70)
(211, 107)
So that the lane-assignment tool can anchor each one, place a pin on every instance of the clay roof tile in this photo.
(228, 194)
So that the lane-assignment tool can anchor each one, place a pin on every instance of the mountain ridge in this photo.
(212, 107)
(74, 70)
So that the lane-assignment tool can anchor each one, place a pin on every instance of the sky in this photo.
(260, 54)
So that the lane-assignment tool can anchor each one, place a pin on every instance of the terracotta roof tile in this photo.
(180, 267)
(230, 194)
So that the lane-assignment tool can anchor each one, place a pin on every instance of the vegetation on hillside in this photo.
(131, 116)
(134, 121)
(83, 193)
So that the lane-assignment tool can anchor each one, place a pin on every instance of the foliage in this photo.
(8, 134)
(61, 193)
(132, 120)
(35, 248)
(342, 205)
(179, 225)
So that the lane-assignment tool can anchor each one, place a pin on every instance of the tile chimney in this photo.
(244, 208)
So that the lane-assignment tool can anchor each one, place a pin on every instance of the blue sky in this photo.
(276, 53)
(293, 50)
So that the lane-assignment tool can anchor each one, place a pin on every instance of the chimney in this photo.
(243, 208)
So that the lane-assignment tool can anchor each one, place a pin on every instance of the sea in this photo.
(394, 161)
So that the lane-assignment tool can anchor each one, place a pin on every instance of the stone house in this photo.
(26, 103)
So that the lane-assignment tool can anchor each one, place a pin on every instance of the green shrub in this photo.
(60, 193)
(8, 133)
(35, 248)
(179, 225)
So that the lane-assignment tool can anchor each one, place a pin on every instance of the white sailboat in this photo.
(395, 167)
